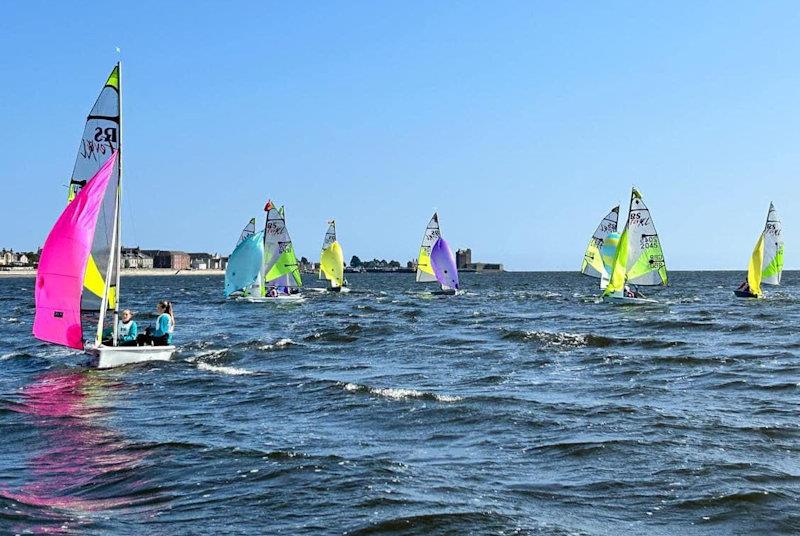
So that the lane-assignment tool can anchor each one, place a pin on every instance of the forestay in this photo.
(425, 272)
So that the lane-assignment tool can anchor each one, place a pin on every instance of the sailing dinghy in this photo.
(639, 259)
(243, 271)
(331, 261)
(78, 278)
(436, 261)
(600, 253)
(766, 262)
(279, 274)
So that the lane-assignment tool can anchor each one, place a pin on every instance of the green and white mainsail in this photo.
(639, 259)
(432, 233)
(280, 267)
(248, 231)
(101, 136)
(593, 264)
(766, 262)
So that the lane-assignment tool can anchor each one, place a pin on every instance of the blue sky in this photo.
(521, 122)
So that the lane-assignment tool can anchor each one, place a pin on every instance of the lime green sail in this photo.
(639, 259)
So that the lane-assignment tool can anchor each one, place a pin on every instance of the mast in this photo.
(119, 206)
(115, 238)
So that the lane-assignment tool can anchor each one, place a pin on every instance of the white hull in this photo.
(625, 300)
(281, 298)
(119, 356)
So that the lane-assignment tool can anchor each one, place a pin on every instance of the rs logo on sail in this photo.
(108, 134)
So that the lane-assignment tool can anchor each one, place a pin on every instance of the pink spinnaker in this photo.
(62, 265)
(443, 263)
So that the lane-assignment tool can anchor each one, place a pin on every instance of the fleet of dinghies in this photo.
(263, 267)
(78, 280)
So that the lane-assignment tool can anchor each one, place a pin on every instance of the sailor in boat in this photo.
(165, 326)
(632, 292)
(272, 292)
(744, 287)
(127, 331)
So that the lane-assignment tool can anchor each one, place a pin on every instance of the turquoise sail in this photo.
(244, 264)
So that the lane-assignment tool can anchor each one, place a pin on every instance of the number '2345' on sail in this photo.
(78, 279)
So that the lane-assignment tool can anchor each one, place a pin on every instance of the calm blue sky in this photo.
(522, 122)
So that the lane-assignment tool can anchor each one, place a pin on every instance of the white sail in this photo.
(772, 265)
(593, 264)
(432, 233)
(645, 261)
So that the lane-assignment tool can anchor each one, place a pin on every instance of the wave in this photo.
(331, 336)
(399, 393)
(565, 340)
(280, 343)
(233, 371)
(441, 523)
(560, 339)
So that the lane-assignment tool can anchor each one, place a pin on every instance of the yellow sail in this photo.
(331, 263)
(620, 267)
(754, 268)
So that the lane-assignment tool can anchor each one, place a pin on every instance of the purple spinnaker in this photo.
(443, 263)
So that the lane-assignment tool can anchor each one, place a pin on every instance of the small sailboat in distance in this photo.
(598, 259)
(78, 278)
(436, 261)
(639, 259)
(331, 261)
(243, 271)
(766, 262)
(279, 275)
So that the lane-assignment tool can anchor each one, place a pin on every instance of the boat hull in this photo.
(744, 294)
(626, 300)
(447, 292)
(282, 298)
(118, 356)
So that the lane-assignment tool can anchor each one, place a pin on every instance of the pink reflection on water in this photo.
(76, 457)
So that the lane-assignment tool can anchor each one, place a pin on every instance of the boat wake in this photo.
(232, 371)
(399, 394)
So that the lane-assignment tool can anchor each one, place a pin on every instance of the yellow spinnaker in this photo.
(331, 263)
(754, 268)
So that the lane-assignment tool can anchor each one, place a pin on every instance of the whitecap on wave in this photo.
(399, 393)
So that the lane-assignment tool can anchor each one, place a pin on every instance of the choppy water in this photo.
(522, 407)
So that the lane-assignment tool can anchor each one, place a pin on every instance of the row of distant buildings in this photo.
(10, 258)
(144, 259)
(464, 263)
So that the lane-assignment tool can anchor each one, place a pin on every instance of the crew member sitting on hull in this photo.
(272, 292)
(127, 331)
(165, 326)
(744, 287)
